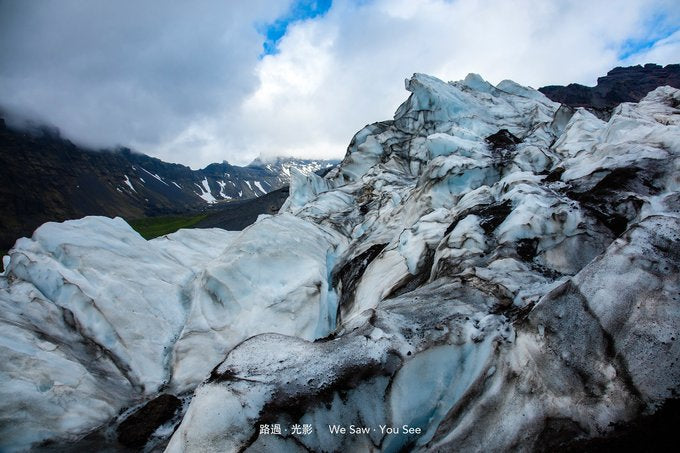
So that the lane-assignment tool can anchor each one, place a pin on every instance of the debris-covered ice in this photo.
(488, 268)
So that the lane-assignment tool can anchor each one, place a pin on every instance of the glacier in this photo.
(491, 267)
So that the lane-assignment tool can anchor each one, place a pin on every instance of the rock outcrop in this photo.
(623, 84)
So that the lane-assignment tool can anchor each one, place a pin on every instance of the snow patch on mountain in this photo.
(154, 175)
(127, 181)
(205, 192)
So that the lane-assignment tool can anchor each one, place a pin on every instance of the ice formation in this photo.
(489, 267)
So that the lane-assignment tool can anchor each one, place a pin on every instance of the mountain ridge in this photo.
(41, 186)
(621, 84)
(48, 178)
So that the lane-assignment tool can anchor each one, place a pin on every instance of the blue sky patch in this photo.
(299, 10)
(657, 28)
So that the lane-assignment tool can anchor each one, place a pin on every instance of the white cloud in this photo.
(665, 51)
(337, 73)
(331, 76)
(153, 75)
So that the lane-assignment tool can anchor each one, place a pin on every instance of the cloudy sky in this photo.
(204, 81)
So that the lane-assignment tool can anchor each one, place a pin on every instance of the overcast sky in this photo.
(205, 81)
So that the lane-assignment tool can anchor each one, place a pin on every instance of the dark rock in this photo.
(554, 175)
(526, 249)
(350, 274)
(503, 139)
(494, 215)
(609, 200)
(491, 216)
(628, 84)
(646, 433)
(227, 375)
(557, 433)
(364, 208)
(135, 430)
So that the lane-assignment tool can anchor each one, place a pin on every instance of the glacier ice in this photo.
(489, 266)
(108, 318)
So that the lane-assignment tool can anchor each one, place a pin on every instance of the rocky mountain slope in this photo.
(627, 84)
(239, 214)
(47, 178)
(488, 271)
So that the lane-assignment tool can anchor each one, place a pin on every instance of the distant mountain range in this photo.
(45, 177)
(48, 178)
(628, 84)
(487, 271)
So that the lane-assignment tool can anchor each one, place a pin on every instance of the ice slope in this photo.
(90, 310)
(267, 280)
(368, 362)
(490, 267)
(96, 319)
(511, 281)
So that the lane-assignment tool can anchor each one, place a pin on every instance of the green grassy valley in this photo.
(152, 227)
